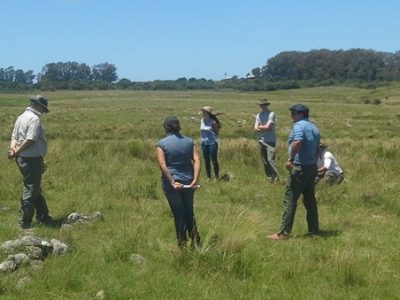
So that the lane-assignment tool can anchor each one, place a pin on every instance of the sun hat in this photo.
(264, 101)
(40, 100)
(210, 110)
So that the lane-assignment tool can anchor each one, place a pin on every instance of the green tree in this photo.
(104, 72)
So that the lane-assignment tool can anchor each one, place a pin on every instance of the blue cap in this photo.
(299, 108)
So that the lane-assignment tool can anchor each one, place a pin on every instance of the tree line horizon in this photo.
(286, 70)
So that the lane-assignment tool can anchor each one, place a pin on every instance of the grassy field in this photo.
(102, 158)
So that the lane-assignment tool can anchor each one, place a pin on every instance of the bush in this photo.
(376, 101)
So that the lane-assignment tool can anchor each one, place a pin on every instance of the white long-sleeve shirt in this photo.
(327, 160)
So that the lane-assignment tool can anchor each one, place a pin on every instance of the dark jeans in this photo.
(267, 152)
(210, 154)
(301, 180)
(181, 204)
(32, 198)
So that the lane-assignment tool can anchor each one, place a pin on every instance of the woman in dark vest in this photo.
(179, 162)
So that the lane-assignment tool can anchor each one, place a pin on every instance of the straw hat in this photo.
(210, 110)
(263, 101)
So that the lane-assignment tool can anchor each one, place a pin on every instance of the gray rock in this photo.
(19, 259)
(137, 259)
(85, 219)
(34, 252)
(59, 248)
(100, 294)
(37, 242)
(8, 266)
(9, 246)
(76, 218)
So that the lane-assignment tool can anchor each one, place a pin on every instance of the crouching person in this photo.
(329, 170)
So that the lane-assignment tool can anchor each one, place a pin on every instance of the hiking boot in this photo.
(278, 236)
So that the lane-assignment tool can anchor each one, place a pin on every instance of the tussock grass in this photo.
(102, 158)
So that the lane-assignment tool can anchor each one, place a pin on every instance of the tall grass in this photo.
(101, 158)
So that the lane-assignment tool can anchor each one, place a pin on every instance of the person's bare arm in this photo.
(294, 149)
(196, 167)
(15, 149)
(164, 169)
(266, 127)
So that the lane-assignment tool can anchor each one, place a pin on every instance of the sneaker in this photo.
(278, 236)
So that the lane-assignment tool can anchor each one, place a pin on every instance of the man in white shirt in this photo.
(329, 170)
(28, 146)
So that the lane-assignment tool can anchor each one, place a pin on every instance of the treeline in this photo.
(286, 70)
(294, 69)
(355, 64)
(61, 75)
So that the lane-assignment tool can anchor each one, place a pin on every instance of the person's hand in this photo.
(194, 185)
(288, 165)
(11, 154)
(177, 186)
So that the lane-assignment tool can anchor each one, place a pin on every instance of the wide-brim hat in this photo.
(210, 110)
(42, 101)
(263, 101)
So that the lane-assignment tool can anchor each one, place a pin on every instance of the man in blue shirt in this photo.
(303, 149)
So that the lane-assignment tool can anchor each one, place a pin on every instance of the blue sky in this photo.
(168, 39)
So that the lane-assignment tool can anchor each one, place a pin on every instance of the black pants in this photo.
(210, 154)
(181, 204)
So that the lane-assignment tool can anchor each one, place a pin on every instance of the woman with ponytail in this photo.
(209, 129)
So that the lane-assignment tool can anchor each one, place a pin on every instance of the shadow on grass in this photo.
(54, 222)
(324, 234)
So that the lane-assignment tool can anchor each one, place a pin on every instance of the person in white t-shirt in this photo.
(329, 170)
